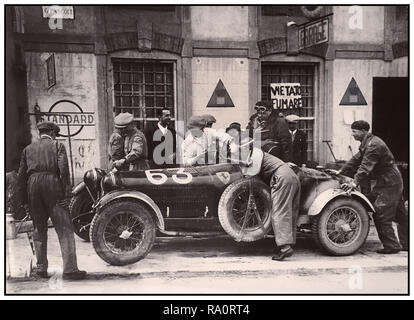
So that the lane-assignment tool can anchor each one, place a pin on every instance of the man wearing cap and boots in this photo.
(297, 149)
(374, 161)
(44, 177)
(135, 144)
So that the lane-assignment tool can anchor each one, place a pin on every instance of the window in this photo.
(143, 88)
(304, 74)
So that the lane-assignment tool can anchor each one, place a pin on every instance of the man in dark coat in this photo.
(298, 147)
(161, 141)
(44, 177)
(374, 161)
(270, 127)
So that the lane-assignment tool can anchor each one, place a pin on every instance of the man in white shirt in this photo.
(161, 141)
(200, 146)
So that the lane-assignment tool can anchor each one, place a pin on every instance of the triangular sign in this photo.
(220, 97)
(353, 95)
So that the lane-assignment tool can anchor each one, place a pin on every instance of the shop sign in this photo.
(286, 95)
(81, 123)
(58, 12)
(313, 33)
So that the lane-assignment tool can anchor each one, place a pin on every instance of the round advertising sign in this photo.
(64, 112)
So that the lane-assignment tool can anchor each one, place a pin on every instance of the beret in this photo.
(196, 122)
(209, 118)
(48, 126)
(360, 125)
(292, 118)
(123, 119)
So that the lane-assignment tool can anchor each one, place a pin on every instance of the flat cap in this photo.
(196, 122)
(360, 125)
(123, 119)
(209, 118)
(292, 118)
(48, 126)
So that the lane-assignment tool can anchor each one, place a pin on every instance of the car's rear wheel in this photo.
(245, 210)
(123, 232)
(342, 227)
(81, 213)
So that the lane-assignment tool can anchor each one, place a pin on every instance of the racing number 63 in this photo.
(159, 178)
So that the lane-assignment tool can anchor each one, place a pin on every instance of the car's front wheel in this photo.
(342, 227)
(245, 210)
(123, 232)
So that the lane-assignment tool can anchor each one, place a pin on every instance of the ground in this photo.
(218, 265)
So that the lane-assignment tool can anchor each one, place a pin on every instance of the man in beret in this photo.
(270, 127)
(200, 146)
(135, 144)
(298, 146)
(44, 177)
(374, 161)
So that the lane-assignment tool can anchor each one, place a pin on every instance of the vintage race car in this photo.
(122, 211)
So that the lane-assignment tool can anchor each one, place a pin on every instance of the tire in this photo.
(233, 207)
(79, 204)
(333, 238)
(110, 223)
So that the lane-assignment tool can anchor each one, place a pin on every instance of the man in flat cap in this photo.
(298, 146)
(270, 127)
(199, 147)
(135, 144)
(374, 161)
(44, 177)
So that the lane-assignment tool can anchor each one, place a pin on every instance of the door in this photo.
(390, 118)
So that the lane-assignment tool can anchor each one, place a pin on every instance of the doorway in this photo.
(390, 116)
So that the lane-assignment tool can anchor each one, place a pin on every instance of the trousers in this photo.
(285, 196)
(386, 197)
(44, 190)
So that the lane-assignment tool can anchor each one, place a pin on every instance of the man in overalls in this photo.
(44, 176)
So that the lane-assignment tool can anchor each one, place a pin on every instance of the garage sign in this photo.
(286, 95)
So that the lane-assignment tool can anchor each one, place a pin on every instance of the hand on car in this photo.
(348, 187)
(119, 163)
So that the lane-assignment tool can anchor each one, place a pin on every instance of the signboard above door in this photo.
(313, 33)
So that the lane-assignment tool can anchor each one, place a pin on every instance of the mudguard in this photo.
(132, 194)
(78, 188)
(322, 200)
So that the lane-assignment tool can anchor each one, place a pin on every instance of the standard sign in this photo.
(285, 95)
(314, 33)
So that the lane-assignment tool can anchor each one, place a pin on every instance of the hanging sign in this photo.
(286, 95)
(313, 33)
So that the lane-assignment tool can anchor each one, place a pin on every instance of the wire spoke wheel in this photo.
(342, 227)
(123, 232)
(245, 210)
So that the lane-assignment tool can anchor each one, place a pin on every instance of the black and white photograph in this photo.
(206, 149)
